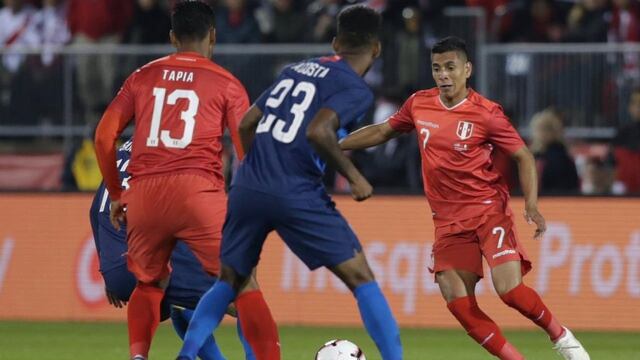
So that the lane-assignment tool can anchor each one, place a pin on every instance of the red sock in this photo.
(509, 352)
(479, 326)
(528, 303)
(143, 317)
(258, 325)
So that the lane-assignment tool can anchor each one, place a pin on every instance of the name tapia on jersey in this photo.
(177, 75)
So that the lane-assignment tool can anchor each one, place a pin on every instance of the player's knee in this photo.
(230, 276)
(503, 286)
(357, 276)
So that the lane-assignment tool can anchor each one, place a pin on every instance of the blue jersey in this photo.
(110, 244)
(281, 161)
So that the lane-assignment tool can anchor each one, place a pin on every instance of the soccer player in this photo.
(290, 132)
(458, 129)
(181, 104)
(188, 281)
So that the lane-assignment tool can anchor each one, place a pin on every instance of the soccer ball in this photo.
(340, 350)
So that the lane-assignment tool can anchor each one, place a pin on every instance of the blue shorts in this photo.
(312, 228)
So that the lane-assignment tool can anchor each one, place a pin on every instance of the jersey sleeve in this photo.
(113, 122)
(124, 102)
(237, 106)
(402, 120)
(349, 104)
(502, 133)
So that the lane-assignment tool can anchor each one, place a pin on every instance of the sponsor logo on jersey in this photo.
(503, 253)
(465, 129)
(460, 147)
(430, 124)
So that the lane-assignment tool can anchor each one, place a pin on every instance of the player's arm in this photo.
(113, 122)
(321, 134)
(237, 105)
(248, 125)
(369, 136)
(372, 135)
(529, 183)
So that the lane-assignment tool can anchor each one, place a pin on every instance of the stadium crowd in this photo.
(410, 28)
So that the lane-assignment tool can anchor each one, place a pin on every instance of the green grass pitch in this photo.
(97, 341)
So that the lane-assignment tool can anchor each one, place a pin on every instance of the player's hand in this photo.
(117, 214)
(113, 299)
(532, 215)
(361, 189)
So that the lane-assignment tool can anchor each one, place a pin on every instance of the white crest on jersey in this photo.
(465, 129)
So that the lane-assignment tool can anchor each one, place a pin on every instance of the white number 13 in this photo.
(188, 116)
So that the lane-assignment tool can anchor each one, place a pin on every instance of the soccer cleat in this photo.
(570, 348)
(139, 357)
(182, 358)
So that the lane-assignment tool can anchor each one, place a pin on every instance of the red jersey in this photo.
(181, 105)
(456, 144)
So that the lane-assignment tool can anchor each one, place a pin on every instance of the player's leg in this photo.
(509, 262)
(150, 242)
(458, 267)
(374, 309)
(318, 234)
(256, 322)
(180, 318)
(245, 230)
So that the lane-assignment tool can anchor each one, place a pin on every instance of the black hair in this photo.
(192, 19)
(451, 43)
(358, 26)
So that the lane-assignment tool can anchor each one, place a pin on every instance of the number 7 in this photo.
(426, 133)
(499, 229)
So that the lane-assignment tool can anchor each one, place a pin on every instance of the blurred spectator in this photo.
(625, 27)
(323, 19)
(626, 148)
(235, 23)
(53, 27)
(96, 22)
(151, 23)
(498, 17)
(540, 21)
(625, 21)
(556, 168)
(289, 23)
(48, 74)
(18, 28)
(587, 22)
(411, 51)
(597, 178)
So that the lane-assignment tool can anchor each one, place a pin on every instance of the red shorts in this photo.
(162, 209)
(461, 245)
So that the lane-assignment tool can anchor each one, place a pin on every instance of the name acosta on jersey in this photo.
(177, 75)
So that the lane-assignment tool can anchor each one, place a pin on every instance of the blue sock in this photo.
(247, 348)
(377, 318)
(180, 319)
(209, 312)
